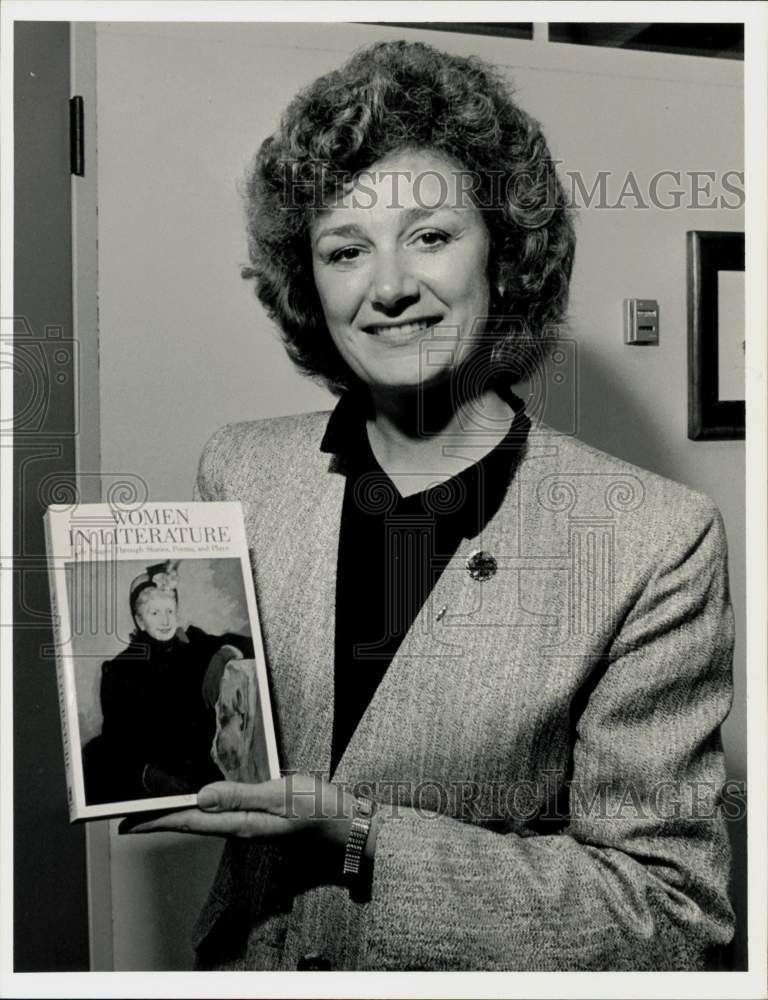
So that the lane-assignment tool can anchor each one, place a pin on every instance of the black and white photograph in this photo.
(457, 322)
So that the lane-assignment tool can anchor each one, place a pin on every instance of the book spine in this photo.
(61, 674)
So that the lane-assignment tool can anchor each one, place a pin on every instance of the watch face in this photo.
(363, 807)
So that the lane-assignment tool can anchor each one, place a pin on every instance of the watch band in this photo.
(358, 835)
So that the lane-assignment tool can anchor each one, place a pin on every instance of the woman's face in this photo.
(156, 615)
(402, 254)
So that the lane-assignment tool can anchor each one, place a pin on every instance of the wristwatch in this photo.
(358, 835)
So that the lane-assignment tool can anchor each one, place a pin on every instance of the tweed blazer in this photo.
(545, 745)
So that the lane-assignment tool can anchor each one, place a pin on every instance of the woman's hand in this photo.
(295, 805)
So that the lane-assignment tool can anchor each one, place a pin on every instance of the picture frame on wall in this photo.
(716, 335)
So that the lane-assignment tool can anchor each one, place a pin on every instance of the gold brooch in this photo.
(481, 565)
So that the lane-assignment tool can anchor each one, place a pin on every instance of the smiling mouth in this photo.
(402, 329)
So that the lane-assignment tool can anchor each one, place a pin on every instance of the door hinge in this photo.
(76, 137)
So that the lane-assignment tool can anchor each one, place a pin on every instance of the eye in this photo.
(344, 255)
(431, 238)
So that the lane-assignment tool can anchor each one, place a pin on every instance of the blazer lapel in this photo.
(299, 589)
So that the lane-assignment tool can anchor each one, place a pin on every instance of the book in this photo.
(160, 665)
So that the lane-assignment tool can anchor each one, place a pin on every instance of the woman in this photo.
(499, 658)
(157, 700)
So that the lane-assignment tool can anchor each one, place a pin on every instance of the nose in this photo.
(393, 287)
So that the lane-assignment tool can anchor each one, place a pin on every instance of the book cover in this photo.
(160, 666)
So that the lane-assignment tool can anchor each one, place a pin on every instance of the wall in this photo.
(185, 348)
(50, 919)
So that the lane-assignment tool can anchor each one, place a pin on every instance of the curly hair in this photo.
(407, 95)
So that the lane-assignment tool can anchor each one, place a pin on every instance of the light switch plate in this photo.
(641, 321)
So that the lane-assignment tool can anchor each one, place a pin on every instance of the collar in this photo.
(179, 638)
(471, 497)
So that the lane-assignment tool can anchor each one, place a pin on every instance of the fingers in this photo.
(233, 808)
(149, 822)
(222, 824)
(222, 796)
(129, 824)
(299, 797)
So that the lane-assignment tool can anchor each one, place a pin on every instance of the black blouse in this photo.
(392, 550)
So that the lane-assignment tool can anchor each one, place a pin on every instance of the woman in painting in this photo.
(157, 700)
(500, 659)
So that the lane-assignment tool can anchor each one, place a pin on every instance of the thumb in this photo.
(209, 798)
(226, 796)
